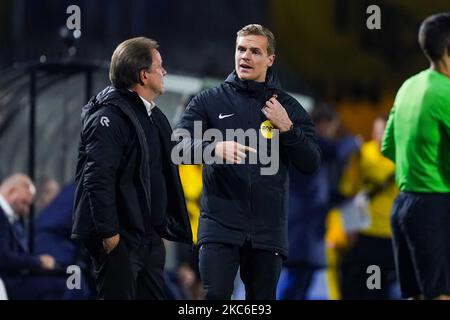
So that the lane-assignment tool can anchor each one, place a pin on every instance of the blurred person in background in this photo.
(243, 213)
(47, 189)
(417, 139)
(375, 175)
(191, 179)
(53, 229)
(310, 199)
(129, 193)
(17, 193)
(187, 255)
(3, 293)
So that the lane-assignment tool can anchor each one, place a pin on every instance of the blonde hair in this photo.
(259, 30)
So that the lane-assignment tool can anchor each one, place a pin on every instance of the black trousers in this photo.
(367, 251)
(259, 270)
(128, 273)
(421, 240)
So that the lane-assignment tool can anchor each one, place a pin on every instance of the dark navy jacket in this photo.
(54, 227)
(238, 203)
(14, 256)
(310, 199)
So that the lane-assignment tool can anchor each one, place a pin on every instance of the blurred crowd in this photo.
(338, 226)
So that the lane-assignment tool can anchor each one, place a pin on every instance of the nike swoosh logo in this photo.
(225, 116)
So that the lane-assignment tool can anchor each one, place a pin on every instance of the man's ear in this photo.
(271, 60)
(11, 194)
(142, 77)
(446, 57)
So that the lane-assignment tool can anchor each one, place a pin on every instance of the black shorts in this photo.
(421, 241)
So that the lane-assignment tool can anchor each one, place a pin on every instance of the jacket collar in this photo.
(9, 212)
(149, 105)
(271, 83)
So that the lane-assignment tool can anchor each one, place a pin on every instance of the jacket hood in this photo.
(272, 83)
(109, 95)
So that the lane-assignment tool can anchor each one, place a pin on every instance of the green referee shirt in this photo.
(417, 136)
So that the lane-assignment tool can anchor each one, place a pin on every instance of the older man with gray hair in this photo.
(17, 193)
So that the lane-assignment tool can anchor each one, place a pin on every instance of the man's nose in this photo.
(246, 55)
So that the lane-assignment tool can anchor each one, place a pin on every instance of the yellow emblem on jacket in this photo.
(266, 129)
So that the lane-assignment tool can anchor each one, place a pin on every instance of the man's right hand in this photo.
(231, 151)
(110, 243)
(47, 261)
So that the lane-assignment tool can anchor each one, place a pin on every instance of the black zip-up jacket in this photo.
(113, 179)
(238, 203)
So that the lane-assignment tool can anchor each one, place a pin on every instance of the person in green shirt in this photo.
(417, 139)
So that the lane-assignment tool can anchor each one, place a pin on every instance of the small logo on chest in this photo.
(223, 116)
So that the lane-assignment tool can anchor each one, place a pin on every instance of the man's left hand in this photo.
(277, 115)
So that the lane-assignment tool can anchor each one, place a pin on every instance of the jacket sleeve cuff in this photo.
(292, 136)
(108, 234)
(35, 262)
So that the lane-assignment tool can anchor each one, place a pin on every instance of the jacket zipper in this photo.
(140, 134)
(249, 233)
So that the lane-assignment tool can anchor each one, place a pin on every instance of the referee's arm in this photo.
(388, 144)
